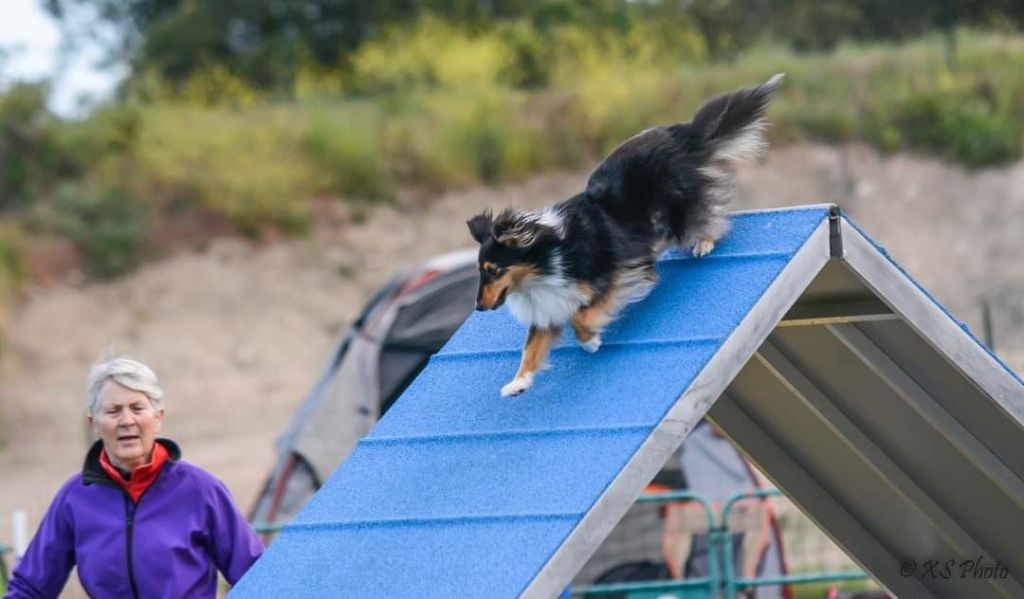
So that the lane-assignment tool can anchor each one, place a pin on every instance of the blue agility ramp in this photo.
(810, 348)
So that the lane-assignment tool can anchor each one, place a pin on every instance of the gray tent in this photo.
(405, 323)
(408, 320)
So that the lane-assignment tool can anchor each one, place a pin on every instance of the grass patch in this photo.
(345, 147)
(248, 165)
(437, 108)
(12, 277)
(12, 269)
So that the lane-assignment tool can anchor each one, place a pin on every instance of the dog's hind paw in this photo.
(703, 247)
(518, 385)
(593, 344)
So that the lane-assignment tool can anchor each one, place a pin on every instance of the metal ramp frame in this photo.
(867, 403)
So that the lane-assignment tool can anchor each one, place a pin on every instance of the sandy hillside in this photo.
(238, 332)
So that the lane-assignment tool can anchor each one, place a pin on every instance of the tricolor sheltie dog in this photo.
(577, 263)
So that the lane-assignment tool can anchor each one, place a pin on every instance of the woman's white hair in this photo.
(128, 373)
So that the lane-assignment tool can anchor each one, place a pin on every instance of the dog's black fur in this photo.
(579, 261)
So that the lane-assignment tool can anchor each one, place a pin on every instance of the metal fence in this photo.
(806, 547)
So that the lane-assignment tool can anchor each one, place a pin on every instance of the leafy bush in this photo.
(38, 151)
(110, 130)
(12, 269)
(106, 226)
(247, 165)
(442, 139)
(437, 105)
(13, 275)
(431, 53)
(345, 145)
(449, 109)
(29, 154)
(212, 86)
(958, 123)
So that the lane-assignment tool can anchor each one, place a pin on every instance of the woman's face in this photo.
(127, 423)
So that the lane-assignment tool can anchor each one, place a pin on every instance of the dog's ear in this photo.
(480, 226)
(518, 230)
(504, 226)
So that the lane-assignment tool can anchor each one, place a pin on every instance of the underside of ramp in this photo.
(874, 410)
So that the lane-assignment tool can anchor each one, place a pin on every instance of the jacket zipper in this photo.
(130, 521)
(130, 508)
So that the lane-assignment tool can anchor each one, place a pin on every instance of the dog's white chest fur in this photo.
(545, 302)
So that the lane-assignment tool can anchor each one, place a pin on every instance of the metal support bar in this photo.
(936, 416)
(816, 502)
(867, 451)
(835, 236)
(928, 319)
(837, 313)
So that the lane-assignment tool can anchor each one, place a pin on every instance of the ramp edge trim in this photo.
(932, 322)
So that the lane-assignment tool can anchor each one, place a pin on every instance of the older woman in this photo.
(138, 521)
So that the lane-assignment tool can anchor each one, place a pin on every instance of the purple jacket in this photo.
(171, 543)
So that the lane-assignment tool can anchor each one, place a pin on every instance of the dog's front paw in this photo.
(518, 385)
(703, 247)
(593, 344)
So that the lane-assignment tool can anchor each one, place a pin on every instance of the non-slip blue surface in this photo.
(458, 492)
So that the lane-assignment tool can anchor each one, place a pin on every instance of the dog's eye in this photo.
(491, 269)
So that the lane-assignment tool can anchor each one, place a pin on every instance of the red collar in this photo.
(142, 476)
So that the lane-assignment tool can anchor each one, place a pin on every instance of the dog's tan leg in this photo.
(535, 356)
(588, 322)
(703, 246)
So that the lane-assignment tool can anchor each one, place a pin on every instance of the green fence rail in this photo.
(267, 528)
(721, 580)
(720, 549)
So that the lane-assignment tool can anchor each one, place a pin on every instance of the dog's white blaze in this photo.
(546, 301)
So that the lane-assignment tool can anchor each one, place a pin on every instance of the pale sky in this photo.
(33, 39)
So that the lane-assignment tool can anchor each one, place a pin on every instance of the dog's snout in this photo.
(480, 307)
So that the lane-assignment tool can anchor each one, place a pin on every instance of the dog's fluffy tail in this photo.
(732, 125)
